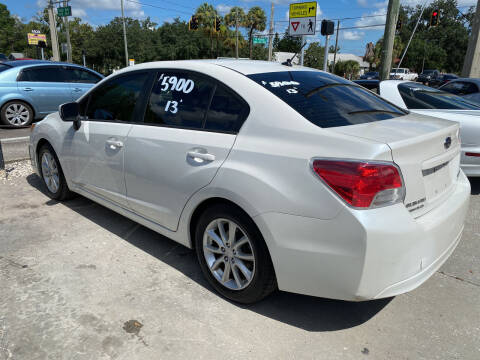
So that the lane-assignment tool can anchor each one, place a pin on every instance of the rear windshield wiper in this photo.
(374, 111)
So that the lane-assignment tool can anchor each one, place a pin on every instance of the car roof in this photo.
(26, 63)
(473, 80)
(245, 67)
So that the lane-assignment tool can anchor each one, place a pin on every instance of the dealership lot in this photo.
(82, 282)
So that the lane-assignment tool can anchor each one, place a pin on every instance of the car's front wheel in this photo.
(233, 255)
(16, 113)
(52, 174)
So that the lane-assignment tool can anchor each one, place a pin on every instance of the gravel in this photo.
(15, 170)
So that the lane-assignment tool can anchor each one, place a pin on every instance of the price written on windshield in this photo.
(172, 83)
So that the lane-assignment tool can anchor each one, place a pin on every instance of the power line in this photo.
(158, 7)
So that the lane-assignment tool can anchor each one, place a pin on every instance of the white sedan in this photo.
(425, 100)
(279, 177)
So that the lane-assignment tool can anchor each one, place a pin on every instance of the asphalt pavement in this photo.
(82, 282)
(9, 133)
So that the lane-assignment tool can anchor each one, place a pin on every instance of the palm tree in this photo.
(236, 17)
(206, 15)
(255, 20)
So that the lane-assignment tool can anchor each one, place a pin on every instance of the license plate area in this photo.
(437, 180)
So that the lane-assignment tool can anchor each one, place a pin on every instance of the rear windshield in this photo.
(4, 67)
(417, 96)
(327, 100)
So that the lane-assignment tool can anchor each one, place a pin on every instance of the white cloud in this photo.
(223, 9)
(76, 12)
(352, 35)
(379, 17)
(79, 7)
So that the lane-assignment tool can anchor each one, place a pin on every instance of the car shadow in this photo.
(305, 312)
(475, 184)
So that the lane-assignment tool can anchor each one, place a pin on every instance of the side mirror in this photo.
(71, 112)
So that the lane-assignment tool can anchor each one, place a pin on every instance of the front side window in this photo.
(417, 96)
(116, 99)
(179, 99)
(43, 74)
(327, 100)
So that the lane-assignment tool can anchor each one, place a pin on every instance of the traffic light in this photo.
(435, 19)
(193, 23)
(399, 24)
(327, 28)
(217, 24)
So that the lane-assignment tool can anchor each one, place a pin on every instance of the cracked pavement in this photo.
(79, 281)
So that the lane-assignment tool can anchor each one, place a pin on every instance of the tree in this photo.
(235, 18)
(255, 20)
(314, 55)
(289, 43)
(207, 14)
(348, 69)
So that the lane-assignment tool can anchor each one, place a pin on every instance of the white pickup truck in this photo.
(403, 74)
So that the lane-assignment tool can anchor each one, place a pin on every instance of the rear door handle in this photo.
(195, 154)
(113, 143)
(27, 89)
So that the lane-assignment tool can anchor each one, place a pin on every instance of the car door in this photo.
(96, 150)
(80, 80)
(190, 125)
(44, 87)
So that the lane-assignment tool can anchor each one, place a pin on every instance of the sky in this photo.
(98, 12)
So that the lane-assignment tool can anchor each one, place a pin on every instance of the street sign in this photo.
(34, 38)
(302, 18)
(260, 40)
(131, 62)
(64, 11)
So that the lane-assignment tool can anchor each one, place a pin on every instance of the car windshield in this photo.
(371, 73)
(426, 72)
(418, 96)
(327, 100)
(398, 71)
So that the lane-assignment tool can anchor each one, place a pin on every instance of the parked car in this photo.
(467, 88)
(371, 75)
(403, 74)
(429, 76)
(32, 89)
(424, 100)
(446, 78)
(3, 58)
(277, 176)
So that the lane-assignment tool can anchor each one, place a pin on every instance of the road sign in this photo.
(260, 40)
(302, 18)
(131, 62)
(33, 38)
(64, 11)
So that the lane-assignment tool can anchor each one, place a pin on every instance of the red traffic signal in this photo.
(435, 18)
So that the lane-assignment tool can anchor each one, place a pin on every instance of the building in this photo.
(364, 66)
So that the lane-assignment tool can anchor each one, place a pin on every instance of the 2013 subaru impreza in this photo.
(279, 177)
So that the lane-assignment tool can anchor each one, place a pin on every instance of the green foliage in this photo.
(348, 69)
(287, 43)
(256, 20)
(314, 55)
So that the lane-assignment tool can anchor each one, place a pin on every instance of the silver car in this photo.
(278, 176)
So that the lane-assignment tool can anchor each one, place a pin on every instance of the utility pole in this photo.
(471, 66)
(336, 46)
(124, 35)
(270, 35)
(325, 56)
(53, 31)
(389, 38)
(69, 45)
(236, 32)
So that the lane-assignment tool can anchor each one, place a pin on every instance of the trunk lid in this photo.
(426, 149)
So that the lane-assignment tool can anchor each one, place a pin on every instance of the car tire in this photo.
(51, 174)
(246, 254)
(16, 114)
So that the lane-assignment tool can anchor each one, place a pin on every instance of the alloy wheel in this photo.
(50, 172)
(17, 114)
(229, 254)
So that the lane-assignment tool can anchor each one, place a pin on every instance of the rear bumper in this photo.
(362, 255)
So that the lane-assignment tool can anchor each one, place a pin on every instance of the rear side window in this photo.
(327, 100)
(75, 75)
(179, 99)
(227, 111)
(116, 99)
(43, 74)
(417, 96)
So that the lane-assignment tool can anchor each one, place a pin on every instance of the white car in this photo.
(403, 74)
(279, 177)
(424, 100)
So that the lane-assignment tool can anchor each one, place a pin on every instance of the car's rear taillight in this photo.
(362, 184)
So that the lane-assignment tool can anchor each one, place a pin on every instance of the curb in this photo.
(13, 149)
